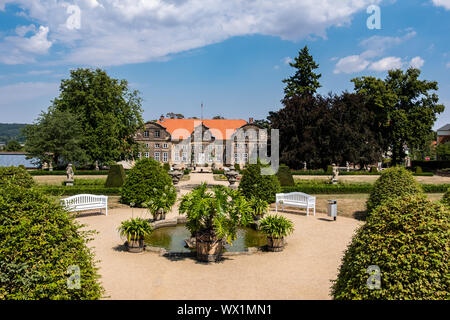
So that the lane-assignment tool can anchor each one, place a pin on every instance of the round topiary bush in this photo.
(418, 169)
(406, 239)
(40, 249)
(284, 176)
(446, 198)
(17, 176)
(146, 181)
(393, 182)
(255, 185)
(116, 176)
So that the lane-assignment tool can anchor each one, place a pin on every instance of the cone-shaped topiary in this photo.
(116, 176)
(41, 250)
(254, 184)
(405, 242)
(284, 176)
(17, 176)
(146, 181)
(393, 182)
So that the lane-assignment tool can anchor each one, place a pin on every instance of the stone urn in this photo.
(209, 249)
(231, 177)
(176, 176)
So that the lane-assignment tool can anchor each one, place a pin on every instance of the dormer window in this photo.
(146, 134)
(157, 134)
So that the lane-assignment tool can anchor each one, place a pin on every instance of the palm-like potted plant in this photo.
(135, 230)
(213, 218)
(259, 207)
(161, 202)
(276, 228)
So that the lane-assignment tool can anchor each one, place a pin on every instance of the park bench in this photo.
(82, 202)
(296, 199)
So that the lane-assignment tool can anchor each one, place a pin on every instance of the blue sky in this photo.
(230, 55)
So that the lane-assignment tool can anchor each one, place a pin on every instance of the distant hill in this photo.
(10, 131)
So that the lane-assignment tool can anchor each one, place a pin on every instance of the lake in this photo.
(16, 159)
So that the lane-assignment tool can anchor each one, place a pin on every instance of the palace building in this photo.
(190, 142)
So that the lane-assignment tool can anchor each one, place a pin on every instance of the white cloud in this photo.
(448, 65)
(351, 64)
(417, 62)
(287, 60)
(442, 3)
(114, 32)
(387, 63)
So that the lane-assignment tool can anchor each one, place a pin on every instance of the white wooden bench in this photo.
(82, 202)
(296, 199)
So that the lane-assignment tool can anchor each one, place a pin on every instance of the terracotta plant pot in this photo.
(275, 244)
(208, 250)
(135, 245)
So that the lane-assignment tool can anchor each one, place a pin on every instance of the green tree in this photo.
(13, 145)
(305, 81)
(108, 111)
(56, 136)
(443, 151)
(405, 106)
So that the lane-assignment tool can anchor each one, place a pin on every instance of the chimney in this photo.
(161, 119)
(250, 120)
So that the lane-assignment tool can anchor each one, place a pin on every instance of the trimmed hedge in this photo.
(431, 165)
(407, 239)
(73, 190)
(350, 173)
(63, 172)
(15, 175)
(39, 241)
(116, 176)
(446, 198)
(393, 182)
(350, 188)
(145, 181)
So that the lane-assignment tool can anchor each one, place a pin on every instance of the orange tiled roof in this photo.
(219, 128)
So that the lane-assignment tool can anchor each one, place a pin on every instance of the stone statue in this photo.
(348, 166)
(176, 176)
(69, 175)
(232, 177)
(304, 166)
(334, 178)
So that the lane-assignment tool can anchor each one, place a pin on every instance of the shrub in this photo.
(73, 190)
(418, 169)
(329, 170)
(407, 238)
(253, 184)
(284, 176)
(38, 243)
(135, 228)
(17, 176)
(393, 182)
(166, 166)
(237, 167)
(186, 171)
(116, 176)
(276, 226)
(373, 170)
(146, 181)
(446, 198)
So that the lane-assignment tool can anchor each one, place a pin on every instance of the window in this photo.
(165, 157)
(165, 146)
(245, 157)
(157, 145)
(184, 157)
(146, 133)
(157, 156)
(157, 134)
(236, 157)
(146, 154)
(146, 145)
(177, 156)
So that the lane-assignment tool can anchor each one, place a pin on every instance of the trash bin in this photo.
(332, 208)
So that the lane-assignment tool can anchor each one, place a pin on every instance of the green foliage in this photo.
(57, 132)
(305, 81)
(38, 242)
(63, 173)
(373, 169)
(147, 180)
(259, 206)
(405, 109)
(432, 165)
(255, 185)
(446, 198)
(81, 189)
(13, 145)
(135, 228)
(276, 226)
(217, 213)
(186, 171)
(284, 176)
(443, 151)
(407, 238)
(393, 182)
(237, 167)
(15, 175)
(166, 166)
(329, 170)
(108, 112)
(116, 176)
(418, 170)
(11, 131)
(162, 202)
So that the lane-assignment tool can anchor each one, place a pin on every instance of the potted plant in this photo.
(259, 207)
(161, 203)
(276, 228)
(213, 218)
(135, 230)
